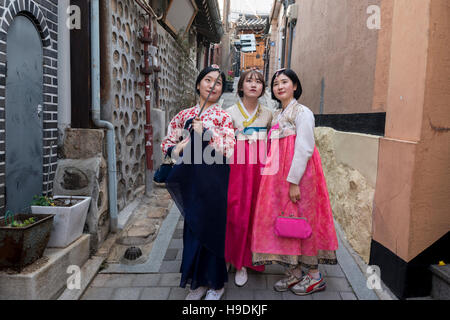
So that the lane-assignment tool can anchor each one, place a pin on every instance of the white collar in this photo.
(246, 111)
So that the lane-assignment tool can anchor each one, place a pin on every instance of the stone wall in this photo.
(84, 172)
(177, 76)
(126, 107)
(176, 83)
(123, 92)
(351, 191)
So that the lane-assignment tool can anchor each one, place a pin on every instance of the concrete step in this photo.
(440, 288)
(88, 272)
(47, 277)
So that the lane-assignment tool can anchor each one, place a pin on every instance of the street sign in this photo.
(248, 42)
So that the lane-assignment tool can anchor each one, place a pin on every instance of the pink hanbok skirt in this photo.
(314, 205)
(245, 178)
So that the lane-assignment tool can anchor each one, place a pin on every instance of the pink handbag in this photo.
(292, 227)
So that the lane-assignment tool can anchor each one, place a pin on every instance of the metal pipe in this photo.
(291, 39)
(110, 137)
(148, 128)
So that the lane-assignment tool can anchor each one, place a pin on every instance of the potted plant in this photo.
(23, 238)
(70, 216)
(230, 81)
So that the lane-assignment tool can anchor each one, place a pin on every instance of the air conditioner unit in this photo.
(292, 12)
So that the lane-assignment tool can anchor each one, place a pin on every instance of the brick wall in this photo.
(44, 14)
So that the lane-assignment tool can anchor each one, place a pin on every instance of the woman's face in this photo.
(252, 86)
(206, 85)
(283, 88)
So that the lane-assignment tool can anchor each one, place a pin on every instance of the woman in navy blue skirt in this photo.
(198, 183)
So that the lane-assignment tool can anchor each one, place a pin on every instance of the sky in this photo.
(261, 7)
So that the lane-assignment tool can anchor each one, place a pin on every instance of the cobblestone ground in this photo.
(164, 285)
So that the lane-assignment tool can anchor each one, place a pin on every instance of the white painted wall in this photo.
(64, 83)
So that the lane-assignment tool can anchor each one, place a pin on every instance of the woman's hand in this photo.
(294, 192)
(179, 147)
(197, 125)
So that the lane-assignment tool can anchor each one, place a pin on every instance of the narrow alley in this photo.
(101, 103)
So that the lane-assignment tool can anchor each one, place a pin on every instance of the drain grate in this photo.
(132, 253)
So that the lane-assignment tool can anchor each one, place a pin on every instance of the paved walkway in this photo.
(162, 278)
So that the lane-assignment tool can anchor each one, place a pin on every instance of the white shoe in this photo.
(241, 277)
(214, 294)
(196, 294)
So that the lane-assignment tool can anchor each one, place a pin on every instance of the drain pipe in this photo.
(110, 137)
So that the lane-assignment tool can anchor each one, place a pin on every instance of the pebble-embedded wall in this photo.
(128, 107)
(124, 104)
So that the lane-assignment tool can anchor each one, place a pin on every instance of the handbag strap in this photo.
(285, 206)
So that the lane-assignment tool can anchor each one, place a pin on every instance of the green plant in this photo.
(43, 201)
(20, 224)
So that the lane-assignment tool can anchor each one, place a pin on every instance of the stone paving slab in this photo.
(126, 294)
(326, 295)
(146, 280)
(103, 293)
(290, 296)
(177, 293)
(155, 293)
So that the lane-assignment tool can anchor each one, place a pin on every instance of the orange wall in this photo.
(380, 91)
(413, 182)
(430, 199)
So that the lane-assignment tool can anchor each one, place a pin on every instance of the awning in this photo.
(208, 22)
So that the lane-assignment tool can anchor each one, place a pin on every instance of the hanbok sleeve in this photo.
(222, 139)
(174, 132)
(304, 145)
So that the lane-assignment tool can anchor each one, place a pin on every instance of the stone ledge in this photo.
(50, 279)
(442, 272)
(440, 289)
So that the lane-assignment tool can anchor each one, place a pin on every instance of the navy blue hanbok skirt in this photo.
(200, 193)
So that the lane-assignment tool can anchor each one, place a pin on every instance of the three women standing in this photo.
(251, 122)
(231, 216)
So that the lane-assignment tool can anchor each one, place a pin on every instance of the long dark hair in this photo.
(203, 74)
(294, 78)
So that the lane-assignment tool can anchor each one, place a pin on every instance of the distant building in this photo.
(249, 24)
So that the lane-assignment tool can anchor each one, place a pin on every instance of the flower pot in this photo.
(20, 247)
(229, 86)
(68, 223)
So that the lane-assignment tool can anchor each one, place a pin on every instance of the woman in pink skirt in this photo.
(251, 122)
(293, 182)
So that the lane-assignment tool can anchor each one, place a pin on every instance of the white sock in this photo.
(315, 275)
